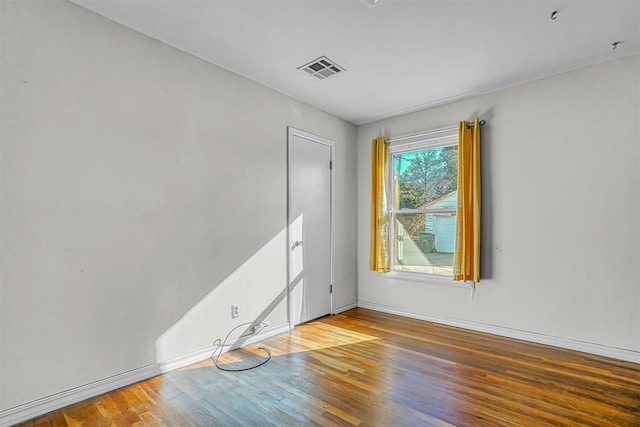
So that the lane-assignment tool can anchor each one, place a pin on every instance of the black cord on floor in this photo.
(221, 345)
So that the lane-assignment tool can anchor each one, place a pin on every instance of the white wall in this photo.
(142, 192)
(561, 209)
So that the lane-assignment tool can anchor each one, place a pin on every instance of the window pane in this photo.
(422, 178)
(425, 242)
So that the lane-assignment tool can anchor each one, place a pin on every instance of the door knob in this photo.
(296, 244)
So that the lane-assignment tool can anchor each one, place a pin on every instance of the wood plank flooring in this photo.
(368, 368)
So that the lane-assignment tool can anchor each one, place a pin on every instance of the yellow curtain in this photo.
(467, 255)
(379, 257)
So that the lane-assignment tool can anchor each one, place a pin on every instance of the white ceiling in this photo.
(400, 55)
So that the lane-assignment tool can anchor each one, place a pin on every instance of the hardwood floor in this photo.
(368, 368)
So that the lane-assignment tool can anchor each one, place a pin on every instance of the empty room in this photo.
(319, 212)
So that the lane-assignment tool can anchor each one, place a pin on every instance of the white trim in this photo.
(422, 144)
(567, 343)
(291, 132)
(428, 135)
(345, 307)
(268, 333)
(427, 278)
(39, 407)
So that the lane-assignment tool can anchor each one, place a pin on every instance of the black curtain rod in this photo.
(481, 123)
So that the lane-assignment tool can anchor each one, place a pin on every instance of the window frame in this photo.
(430, 140)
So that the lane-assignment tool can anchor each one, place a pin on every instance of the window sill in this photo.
(427, 279)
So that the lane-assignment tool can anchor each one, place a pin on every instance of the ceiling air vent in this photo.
(321, 67)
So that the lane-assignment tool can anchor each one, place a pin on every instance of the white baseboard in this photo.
(570, 344)
(57, 401)
(345, 307)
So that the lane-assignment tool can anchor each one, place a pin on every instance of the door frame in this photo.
(291, 132)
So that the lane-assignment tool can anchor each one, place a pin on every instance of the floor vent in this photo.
(321, 68)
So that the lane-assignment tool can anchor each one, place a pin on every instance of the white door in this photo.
(310, 226)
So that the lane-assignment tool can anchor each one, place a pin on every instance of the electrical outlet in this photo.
(235, 311)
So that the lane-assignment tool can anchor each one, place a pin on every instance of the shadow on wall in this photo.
(487, 241)
(487, 251)
(163, 291)
(251, 284)
(257, 285)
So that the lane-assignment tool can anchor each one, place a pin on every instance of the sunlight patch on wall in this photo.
(257, 287)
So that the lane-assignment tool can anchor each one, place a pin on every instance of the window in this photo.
(423, 200)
